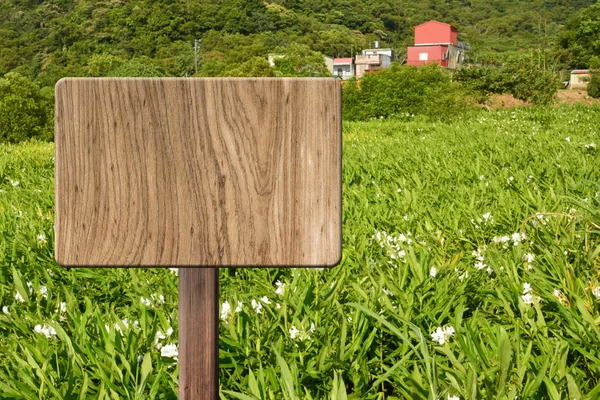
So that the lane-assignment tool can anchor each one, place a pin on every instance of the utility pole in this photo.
(196, 53)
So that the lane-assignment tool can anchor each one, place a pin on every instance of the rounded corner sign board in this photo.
(198, 172)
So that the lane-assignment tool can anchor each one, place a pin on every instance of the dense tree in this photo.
(581, 37)
(51, 39)
(25, 109)
(299, 60)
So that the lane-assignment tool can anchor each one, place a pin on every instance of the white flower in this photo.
(42, 238)
(239, 307)
(388, 292)
(442, 335)
(5, 310)
(529, 257)
(107, 328)
(433, 272)
(596, 292)
(175, 271)
(169, 331)
(19, 297)
(294, 332)
(464, 275)
(399, 190)
(280, 288)
(170, 350)
(30, 287)
(140, 357)
(312, 327)
(157, 338)
(50, 273)
(44, 291)
(453, 397)
(256, 306)
(45, 330)
(526, 287)
(277, 306)
(527, 298)
(146, 301)
(438, 336)
(510, 179)
(568, 139)
(225, 309)
(487, 217)
(14, 183)
(265, 300)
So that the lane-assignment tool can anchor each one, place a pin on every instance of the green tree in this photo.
(139, 67)
(103, 64)
(26, 111)
(580, 36)
(299, 60)
(593, 87)
(256, 66)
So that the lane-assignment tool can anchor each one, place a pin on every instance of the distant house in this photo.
(437, 42)
(343, 68)
(580, 78)
(373, 60)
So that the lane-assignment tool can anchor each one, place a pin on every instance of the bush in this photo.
(401, 91)
(26, 111)
(593, 87)
(520, 77)
(140, 67)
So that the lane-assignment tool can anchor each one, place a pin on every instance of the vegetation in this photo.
(26, 111)
(521, 77)
(47, 40)
(593, 87)
(470, 269)
(401, 92)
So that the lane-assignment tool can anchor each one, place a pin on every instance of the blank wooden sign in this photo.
(198, 172)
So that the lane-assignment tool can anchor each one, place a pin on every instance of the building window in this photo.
(423, 56)
(340, 72)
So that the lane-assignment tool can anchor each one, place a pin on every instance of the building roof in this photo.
(345, 60)
(436, 22)
(580, 71)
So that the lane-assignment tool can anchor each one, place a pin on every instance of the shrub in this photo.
(520, 77)
(399, 91)
(139, 67)
(26, 111)
(593, 87)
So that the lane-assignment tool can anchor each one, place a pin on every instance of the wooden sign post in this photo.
(198, 174)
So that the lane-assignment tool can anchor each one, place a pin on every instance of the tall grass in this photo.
(487, 228)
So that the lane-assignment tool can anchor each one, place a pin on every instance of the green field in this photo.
(487, 228)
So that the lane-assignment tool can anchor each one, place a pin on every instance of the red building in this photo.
(437, 42)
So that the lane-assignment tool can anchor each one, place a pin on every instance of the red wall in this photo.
(435, 32)
(434, 54)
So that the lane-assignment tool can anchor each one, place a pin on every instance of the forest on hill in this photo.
(46, 40)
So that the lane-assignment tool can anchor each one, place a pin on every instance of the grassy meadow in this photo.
(471, 270)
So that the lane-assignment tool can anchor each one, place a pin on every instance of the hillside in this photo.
(50, 39)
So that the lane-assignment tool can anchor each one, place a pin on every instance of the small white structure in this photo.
(343, 68)
(580, 78)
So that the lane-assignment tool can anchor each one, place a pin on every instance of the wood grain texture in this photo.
(198, 333)
(198, 172)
